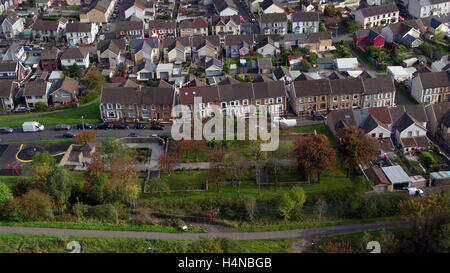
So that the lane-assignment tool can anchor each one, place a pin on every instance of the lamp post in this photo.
(82, 121)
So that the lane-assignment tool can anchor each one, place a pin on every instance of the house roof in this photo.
(386, 145)
(218, 20)
(49, 54)
(378, 10)
(75, 53)
(6, 87)
(271, 89)
(264, 63)
(377, 176)
(404, 122)
(45, 25)
(128, 25)
(213, 62)
(129, 83)
(79, 27)
(8, 66)
(379, 84)
(198, 22)
(262, 78)
(162, 24)
(273, 18)
(228, 80)
(280, 72)
(382, 114)
(223, 4)
(116, 45)
(311, 88)
(146, 95)
(435, 79)
(208, 93)
(239, 39)
(305, 16)
(408, 142)
(68, 84)
(422, 141)
(35, 88)
(417, 111)
(395, 174)
(346, 86)
(240, 90)
(266, 4)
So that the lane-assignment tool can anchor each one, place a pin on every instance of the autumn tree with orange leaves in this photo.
(356, 147)
(167, 163)
(314, 154)
(85, 136)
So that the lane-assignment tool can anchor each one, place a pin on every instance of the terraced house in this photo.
(273, 23)
(307, 96)
(129, 30)
(431, 87)
(225, 25)
(235, 98)
(375, 16)
(193, 27)
(145, 104)
(49, 30)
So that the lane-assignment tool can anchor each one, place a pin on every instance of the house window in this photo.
(410, 133)
(109, 106)
(417, 132)
(279, 100)
(224, 105)
(131, 107)
(258, 102)
(380, 135)
(132, 115)
(144, 107)
(245, 102)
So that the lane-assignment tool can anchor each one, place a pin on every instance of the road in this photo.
(50, 133)
(324, 231)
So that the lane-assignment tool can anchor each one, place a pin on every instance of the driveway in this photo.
(324, 231)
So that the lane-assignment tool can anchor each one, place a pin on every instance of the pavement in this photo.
(324, 231)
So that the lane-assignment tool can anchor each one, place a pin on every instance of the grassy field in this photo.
(20, 243)
(91, 115)
(103, 226)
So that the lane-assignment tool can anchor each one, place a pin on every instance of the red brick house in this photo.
(367, 37)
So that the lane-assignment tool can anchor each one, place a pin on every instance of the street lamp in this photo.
(82, 122)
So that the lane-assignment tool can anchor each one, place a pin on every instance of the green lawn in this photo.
(90, 114)
(320, 129)
(180, 180)
(288, 174)
(21, 243)
(94, 225)
(434, 158)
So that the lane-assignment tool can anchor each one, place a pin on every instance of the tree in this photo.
(250, 207)
(258, 157)
(205, 245)
(36, 206)
(5, 192)
(305, 64)
(86, 136)
(322, 27)
(329, 10)
(286, 207)
(314, 154)
(40, 106)
(113, 149)
(39, 169)
(237, 167)
(59, 185)
(427, 49)
(275, 162)
(357, 148)
(75, 71)
(94, 80)
(320, 207)
(216, 172)
(167, 163)
(159, 185)
(374, 52)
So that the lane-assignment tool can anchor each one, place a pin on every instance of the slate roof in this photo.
(74, 53)
(273, 18)
(35, 88)
(311, 88)
(435, 79)
(162, 24)
(129, 95)
(378, 10)
(6, 88)
(346, 86)
(305, 16)
(280, 72)
(79, 27)
(380, 84)
(377, 176)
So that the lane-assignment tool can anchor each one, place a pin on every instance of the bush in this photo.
(176, 222)
(40, 107)
(5, 192)
(104, 213)
(88, 97)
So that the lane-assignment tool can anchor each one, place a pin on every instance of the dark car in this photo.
(62, 127)
(134, 135)
(320, 117)
(84, 126)
(68, 135)
(6, 130)
(120, 126)
(156, 127)
(103, 126)
(139, 126)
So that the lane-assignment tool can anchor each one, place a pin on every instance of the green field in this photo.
(91, 115)
(20, 243)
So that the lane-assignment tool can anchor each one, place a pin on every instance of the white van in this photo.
(414, 191)
(32, 126)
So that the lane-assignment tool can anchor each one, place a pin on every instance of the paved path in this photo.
(325, 231)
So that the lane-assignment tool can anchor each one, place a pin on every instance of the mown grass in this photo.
(21, 243)
(104, 226)
(90, 114)
(305, 225)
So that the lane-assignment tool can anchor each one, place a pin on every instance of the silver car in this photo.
(6, 130)
(62, 127)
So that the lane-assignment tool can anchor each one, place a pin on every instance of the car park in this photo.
(84, 126)
(61, 127)
(69, 135)
(6, 130)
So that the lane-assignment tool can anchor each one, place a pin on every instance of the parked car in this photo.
(32, 126)
(139, 126)
(320, 117)
(103, 126)
(68, 135)
(84, 126)
(120, 126)
(61, 127)
(156, 127)
(6, 130)
(414, 191)
(27, 48)
(154, 135)
(134, 135)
